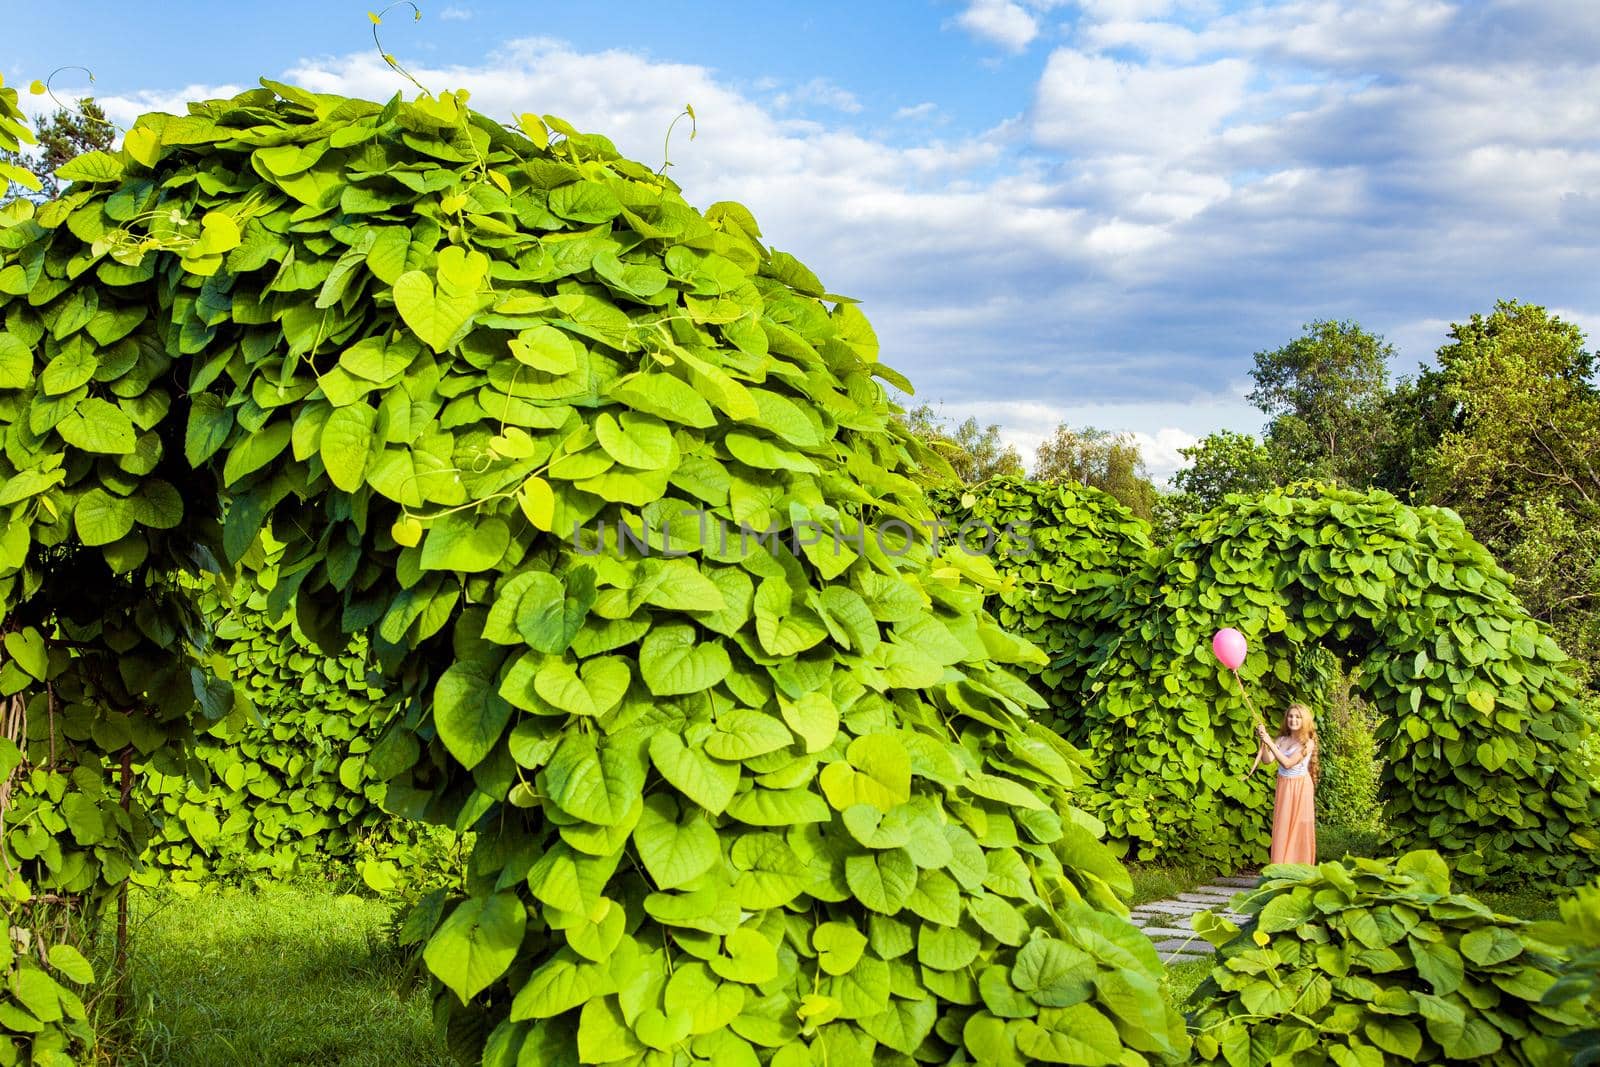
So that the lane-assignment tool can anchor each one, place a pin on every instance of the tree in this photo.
(1101, 459)
(1225, 462)
(975, 453)
(1520, 415)
(1418, 415)
(1518, 458)
(1325, 394)
(62, 137)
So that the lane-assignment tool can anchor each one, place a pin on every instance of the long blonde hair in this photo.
(1307, 738)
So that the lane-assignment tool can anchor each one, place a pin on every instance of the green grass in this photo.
(1159, 881)
(1525, 901)
(276, 977)
(1334, 843)
(1182, 978)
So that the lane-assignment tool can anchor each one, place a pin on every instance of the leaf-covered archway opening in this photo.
(1351, 796)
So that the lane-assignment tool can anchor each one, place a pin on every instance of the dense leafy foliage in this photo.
(93, 665)
(1513, 409)
(1578, 935)
(1500, 426)
(284, 778)
(1370, 963)
(1325, 393)
(1480, 731)
(1219, 464)
(42, 1011)
(763, 798)
(1065, 552)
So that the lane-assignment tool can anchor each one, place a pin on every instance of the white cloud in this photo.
(122, 109)
(917, 111)
(1113, 10)
(1000, 22)
(455, 14)
(1161, 451)
(1098, 103)
(820, 92)
(1332, 34)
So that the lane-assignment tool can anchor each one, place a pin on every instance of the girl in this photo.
(1294, 817)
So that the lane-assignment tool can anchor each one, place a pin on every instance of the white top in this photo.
(1291, 748)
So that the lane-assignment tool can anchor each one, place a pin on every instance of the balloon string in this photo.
(1246, 694)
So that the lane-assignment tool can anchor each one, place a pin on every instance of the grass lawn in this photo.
(276, 977)
(1161, 881)
(1182, 978)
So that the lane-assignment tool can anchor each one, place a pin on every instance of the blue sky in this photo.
(1081, 210)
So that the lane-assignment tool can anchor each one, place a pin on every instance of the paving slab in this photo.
(1182, 944)
(1174, 907)
(1170, 931)
(1242, 883)
(1181, 920)
(1181, 957)
(1209, 899)
(1219, 890)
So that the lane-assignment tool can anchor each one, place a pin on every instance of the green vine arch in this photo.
(1483, 733)
(775, 801)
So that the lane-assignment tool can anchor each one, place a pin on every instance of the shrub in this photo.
(1478, 726)
(1366, 962)
(1578, 933)
(1066, 551)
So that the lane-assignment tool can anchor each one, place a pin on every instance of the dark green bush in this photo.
(1578, 932)
(1365, 963)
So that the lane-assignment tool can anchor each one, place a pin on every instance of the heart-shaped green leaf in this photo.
(838, 946)
(749, 958)
(591, 692)
(439, 318)
(674, 848)
(674, 660)
(708, 782)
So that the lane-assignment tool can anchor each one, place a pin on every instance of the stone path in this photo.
(1167, 921)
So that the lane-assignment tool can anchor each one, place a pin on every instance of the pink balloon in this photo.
(1230, 647)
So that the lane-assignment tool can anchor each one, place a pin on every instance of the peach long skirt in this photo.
(1294, 821)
